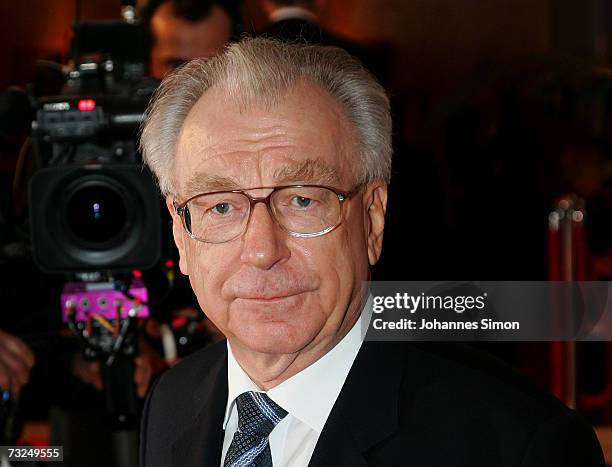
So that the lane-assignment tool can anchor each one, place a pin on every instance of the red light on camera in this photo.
(85, 105)
(179, 322)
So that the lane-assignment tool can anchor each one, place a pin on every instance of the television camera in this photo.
(95, 212)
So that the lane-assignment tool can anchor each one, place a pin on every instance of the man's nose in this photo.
(264, 242)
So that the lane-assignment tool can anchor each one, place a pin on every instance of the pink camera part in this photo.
(87, 299)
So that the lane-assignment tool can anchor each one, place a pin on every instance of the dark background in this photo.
(500, 107)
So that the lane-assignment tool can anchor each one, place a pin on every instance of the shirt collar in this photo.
(310, 394)
(292, 12)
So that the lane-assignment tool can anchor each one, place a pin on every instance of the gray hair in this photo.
(264, 70)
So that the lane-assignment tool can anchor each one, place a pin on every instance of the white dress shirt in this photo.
(308, 397)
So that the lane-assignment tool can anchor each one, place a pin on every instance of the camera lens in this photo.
(95, 217)
(96, 213)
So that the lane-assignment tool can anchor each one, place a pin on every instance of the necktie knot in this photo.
(257, 417)
(257, 413)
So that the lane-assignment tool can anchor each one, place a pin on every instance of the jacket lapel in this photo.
(201, 443)
(366, 411)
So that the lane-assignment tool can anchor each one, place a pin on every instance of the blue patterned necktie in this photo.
(257, 417)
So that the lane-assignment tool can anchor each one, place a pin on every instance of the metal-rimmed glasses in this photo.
(301, 210)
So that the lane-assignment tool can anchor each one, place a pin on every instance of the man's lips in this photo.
(269, 298)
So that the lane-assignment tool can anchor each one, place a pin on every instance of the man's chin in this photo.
(273, 338)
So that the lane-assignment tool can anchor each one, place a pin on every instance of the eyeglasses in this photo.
(301, 210)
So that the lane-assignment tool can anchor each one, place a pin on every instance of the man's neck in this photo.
(268, 370)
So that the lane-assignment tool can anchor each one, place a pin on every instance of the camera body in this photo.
(93, 206)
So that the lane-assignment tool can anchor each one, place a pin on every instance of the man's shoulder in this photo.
(171, 402)
(475, 377)
(478, 404)
(173, 392)
(193, 369)
(175, 400)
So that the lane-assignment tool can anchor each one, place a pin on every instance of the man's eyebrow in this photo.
(204, 183)
(308, 171)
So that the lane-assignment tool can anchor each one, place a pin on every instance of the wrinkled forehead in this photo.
(302, 137)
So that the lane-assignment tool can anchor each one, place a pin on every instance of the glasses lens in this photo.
(306, 210)
(216, 217)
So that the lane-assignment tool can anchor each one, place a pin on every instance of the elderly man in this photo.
(274, 159)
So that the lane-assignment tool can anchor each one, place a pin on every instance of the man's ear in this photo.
(179, 235)
(375, 208)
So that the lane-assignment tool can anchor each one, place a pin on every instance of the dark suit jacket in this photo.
(402, 405)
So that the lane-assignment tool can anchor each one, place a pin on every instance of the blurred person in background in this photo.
(298, 20)
(181, 30)
(16, 361)
(294, 20)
